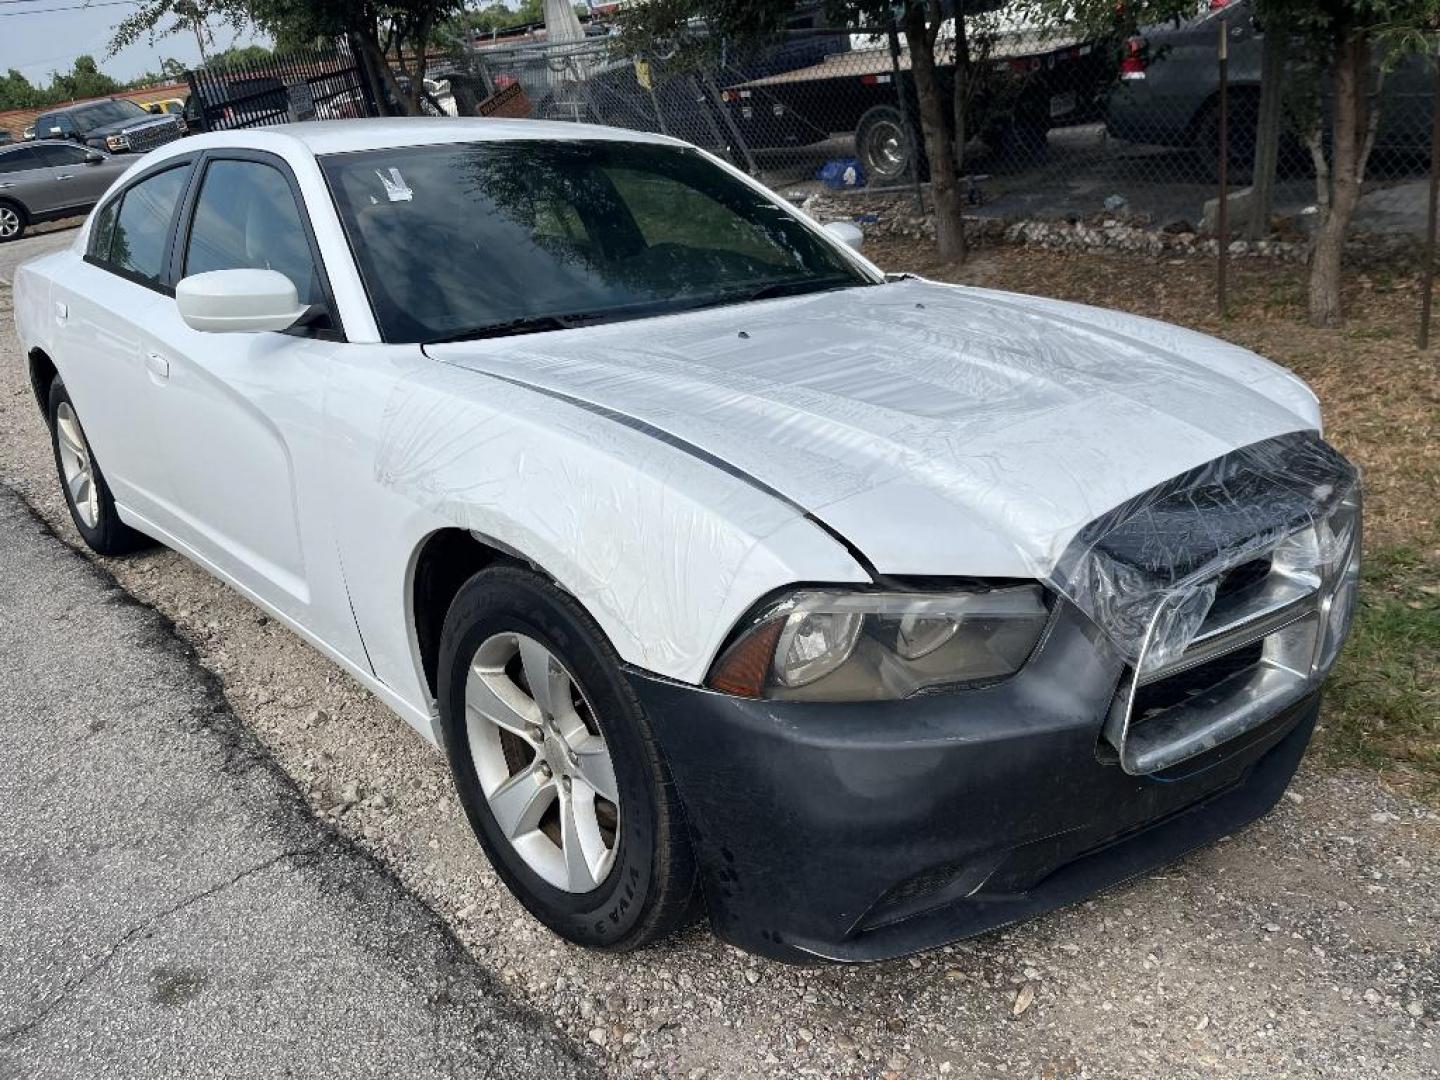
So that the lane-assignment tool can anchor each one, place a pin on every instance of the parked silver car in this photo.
(41, 181)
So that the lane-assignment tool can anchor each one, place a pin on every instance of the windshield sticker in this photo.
(395, 187)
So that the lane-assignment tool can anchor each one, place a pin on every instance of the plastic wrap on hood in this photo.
(1148, 571)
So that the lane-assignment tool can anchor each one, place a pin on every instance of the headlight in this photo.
(116, 142)
(821, 645)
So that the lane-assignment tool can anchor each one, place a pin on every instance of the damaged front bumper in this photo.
(867, 831)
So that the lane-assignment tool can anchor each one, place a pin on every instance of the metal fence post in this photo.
(193, 79)
(1223, 230)
(893, 36)
(713, 93)
(1428, 274)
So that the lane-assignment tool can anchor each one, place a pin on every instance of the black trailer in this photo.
(1028, 82)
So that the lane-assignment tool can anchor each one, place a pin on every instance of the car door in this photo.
(78, 180)
(102, 305)
(21, 180)
(240, 417)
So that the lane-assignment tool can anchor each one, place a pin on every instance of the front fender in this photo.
(664, 549)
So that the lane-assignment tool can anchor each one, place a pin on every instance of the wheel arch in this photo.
(42, 374)
(442, 562)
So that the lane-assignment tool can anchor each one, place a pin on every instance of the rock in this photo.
(752, 976)
(1415, 1009)
(1372, 996)
(1178, 226)
(1115, 202)
(1239, 202)
(1024, 999)
(598, 1036)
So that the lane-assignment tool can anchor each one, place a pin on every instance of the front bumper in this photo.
(871, 830)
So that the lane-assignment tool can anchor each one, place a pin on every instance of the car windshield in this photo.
(489, 238)
(103, 112)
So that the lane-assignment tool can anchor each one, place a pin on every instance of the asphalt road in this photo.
(171, 907)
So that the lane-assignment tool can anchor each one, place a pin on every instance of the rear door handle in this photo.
(158, 366)
(67, 176)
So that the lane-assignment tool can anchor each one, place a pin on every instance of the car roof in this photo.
(77, 105)
(321, 137)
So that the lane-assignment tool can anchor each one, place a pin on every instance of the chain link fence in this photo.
(1055, 126)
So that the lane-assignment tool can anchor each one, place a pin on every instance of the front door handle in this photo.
(67, 176)
(158, 366)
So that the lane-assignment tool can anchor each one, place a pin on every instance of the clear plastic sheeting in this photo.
(1149, 572)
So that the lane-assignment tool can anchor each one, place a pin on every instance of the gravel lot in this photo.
(1307, 946)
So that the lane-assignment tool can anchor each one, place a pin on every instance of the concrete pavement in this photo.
(168, 905)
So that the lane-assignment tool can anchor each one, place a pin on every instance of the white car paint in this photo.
(668, 472)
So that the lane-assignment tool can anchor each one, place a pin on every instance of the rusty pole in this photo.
(1222, 239)
(1428, 274)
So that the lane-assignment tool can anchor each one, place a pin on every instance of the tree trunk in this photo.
(1353, 135)
(939, 145)
(1269, 130)
(962, 91)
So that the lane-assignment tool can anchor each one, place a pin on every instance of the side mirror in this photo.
(852, 236)
(238, 301)
(94, 157)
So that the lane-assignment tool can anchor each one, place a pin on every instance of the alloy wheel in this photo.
(542, 762)
(76, 463)
(9, 222)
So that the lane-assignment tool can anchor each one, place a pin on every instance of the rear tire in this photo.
(884, 147)
(13, 220)
(92, 506)
(607, 871)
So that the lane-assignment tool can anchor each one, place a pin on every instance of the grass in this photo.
(1384, 707)
(1381, 399)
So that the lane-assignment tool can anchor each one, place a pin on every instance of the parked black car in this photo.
(1168, 93)
(114, 125)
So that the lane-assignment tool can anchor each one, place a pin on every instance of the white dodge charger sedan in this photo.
(860, 611)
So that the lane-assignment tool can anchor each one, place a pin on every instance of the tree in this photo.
(155, 19)
(16, 92)
(1347, 46)
(383, 32)
(84, 80)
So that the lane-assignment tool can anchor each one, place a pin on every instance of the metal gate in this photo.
(280, 90)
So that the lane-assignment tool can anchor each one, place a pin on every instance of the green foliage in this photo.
(83, 80)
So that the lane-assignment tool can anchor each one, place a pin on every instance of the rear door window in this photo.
(20, 159)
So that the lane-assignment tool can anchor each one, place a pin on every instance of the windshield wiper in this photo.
(529, 324)
(796, 288)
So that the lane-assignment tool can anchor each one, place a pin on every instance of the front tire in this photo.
(92, 506)
(557, 767)
(13, 220)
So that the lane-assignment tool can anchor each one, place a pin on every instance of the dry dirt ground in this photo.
(1308, 945)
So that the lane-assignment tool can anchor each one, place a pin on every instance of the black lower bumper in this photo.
(871, 830)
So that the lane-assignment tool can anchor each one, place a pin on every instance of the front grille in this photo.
(146, 138)
(1267, 639)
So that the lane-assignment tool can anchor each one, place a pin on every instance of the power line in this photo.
(77, 7)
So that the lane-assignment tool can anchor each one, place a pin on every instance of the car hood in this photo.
(133, 124)
(941, 430)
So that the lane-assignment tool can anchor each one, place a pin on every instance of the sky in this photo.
(36, 39)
